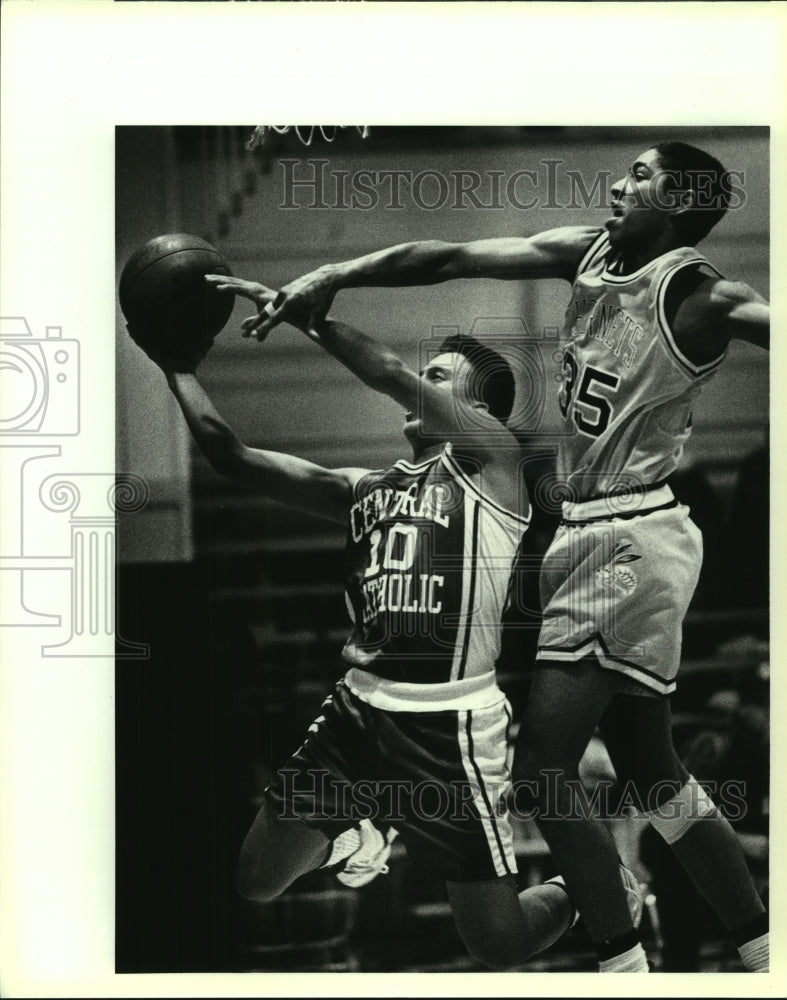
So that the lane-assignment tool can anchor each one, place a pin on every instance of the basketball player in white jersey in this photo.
(416, 733)
(648, 325)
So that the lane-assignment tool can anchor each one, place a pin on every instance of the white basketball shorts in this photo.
(619, 587)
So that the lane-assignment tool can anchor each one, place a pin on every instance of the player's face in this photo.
(640, 204)
(448, 374)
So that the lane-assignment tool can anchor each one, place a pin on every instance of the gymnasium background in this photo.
(240, 601)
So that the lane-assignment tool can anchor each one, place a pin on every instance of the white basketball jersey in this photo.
(627, 391)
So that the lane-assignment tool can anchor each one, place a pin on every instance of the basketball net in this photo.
(305, 133)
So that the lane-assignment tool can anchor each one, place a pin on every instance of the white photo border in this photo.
(74, 69)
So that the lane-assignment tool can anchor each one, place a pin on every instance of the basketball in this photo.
(168, 305)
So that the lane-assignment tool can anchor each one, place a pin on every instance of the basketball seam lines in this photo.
(172, 253)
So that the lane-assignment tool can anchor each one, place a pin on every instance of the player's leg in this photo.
(306, 819)
(450, 773)
(276, 851)
(638, 734)
(502, 928)
(565, 704)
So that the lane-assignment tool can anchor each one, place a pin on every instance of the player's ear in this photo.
(684, 201)
(673, 195)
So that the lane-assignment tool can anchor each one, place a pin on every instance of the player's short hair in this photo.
(492, 380)
(696, 170)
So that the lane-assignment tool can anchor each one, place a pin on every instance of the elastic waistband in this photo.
(619, 506)
(397, 696)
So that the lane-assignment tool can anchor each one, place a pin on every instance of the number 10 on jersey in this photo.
(391, 586)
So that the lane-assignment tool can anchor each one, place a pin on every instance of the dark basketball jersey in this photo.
(627, 390)
(429, 561)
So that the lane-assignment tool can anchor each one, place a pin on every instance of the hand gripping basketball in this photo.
(184, 359)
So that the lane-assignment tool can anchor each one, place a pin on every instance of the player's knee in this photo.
(255, 882)
(256, 890)
(541, 757)
(536, 781)
(527, 766)
(677, 814)
(524, 801)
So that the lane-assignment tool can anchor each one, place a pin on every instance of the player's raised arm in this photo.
(289, 480)
(744, 314)
(463, 397)
(383, 370)
(555, 253)
(446, 408)
(716, 311)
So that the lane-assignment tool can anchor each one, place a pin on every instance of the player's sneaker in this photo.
(369, 860)
(634, 894)
(343, 846)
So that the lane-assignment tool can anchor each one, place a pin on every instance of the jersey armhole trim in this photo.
(661, 295)
(377, 476)
(358, 489)
(406, 466)
(470, 487)
(599, 243)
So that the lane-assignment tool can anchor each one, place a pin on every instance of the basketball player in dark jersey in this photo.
(414, 740)
(648, 325)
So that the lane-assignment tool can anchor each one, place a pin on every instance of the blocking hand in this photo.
(302, 302)
(260, 295)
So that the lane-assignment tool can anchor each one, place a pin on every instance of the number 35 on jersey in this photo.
(587, 396)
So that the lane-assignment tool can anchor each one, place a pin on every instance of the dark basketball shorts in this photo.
(439, 777)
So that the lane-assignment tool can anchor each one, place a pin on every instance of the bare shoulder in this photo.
(557, 253)
(724, 294)
(709, 311)
(574, 237)
(351, 476)
(739, 312)
(571, 242)
(701, 299)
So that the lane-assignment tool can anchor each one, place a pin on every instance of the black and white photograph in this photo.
(456, 589)
(389, 508)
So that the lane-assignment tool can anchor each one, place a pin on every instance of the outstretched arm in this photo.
(717, 311)
(289, 480)
(380, 368)
(473, 432)
(745, 314)
(552, 254)
(383, 370)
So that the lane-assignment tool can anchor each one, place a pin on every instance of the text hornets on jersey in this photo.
(609, 324)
